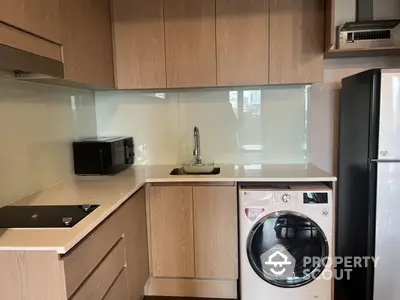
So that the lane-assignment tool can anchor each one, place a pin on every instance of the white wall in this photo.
(37, 124)
(263, 125)
(325, 104)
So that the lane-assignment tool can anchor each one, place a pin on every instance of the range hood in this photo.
(368, 32)
(22, 64)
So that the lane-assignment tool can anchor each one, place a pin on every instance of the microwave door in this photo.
(128, 152)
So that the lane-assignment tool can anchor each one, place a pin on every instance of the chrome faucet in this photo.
(196, 151)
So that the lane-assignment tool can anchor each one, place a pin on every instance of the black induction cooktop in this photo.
(43, 216)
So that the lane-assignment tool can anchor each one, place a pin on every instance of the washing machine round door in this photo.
(287, 249)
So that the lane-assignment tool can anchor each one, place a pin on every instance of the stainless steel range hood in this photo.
(25, 64)
(372, 27)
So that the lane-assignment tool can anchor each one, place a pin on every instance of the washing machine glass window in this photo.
(287, 249)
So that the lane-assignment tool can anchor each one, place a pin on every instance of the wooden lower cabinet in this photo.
(171, 214)
(193, 241)
(216, 235)
(119, 290)
(110, 263)
(137, 260)
(103, 277)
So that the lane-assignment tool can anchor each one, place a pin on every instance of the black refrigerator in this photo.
(368, 198)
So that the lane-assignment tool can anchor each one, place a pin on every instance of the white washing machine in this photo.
(286, 240)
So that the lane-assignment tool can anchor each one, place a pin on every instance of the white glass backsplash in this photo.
(237, 125)
(37, 125)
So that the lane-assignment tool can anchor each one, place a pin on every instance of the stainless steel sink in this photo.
(181, 171)
(197, 167)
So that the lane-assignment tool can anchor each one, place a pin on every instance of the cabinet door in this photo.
(40, 17)
(134, 214)
(21, 40)
(171, 227)
(139, 44)
(296, 41)
(215, 231)
(330, 25)
(87, 42)
(242, 29)
(190, 43)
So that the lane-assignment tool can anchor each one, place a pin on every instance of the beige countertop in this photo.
(112, 191)
(244, 173)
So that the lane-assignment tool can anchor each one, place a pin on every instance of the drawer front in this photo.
(82, 260)
(119, 290)
(98, 283)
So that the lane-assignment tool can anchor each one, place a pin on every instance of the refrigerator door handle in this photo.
(385, 160)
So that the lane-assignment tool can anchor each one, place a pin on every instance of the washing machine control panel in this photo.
(303, 197)
(288, 199)
(315, 198)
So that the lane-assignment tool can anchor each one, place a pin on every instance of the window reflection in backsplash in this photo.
(250, 108)
(237, 125)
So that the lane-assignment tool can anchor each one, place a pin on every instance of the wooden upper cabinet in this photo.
(39, 17)
(330, 25)
(215, 232)
(171, 231)
(87, 42)
(18, 39)
(296, 41)
(139, 44)
(190, 43)
(242, 29)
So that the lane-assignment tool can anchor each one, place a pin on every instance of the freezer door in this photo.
(389, 119)
(387, 232)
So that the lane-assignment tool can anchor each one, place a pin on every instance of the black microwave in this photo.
(103, 155)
